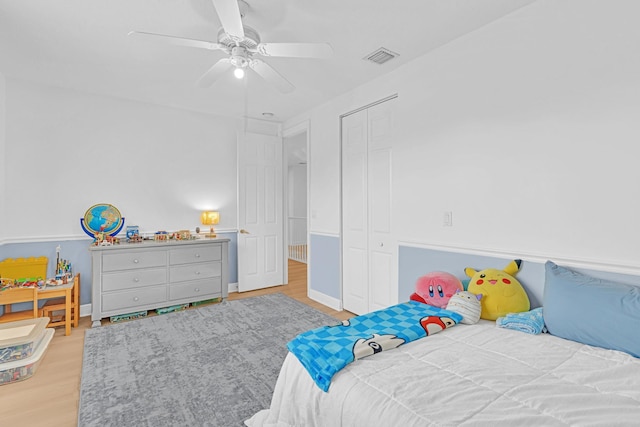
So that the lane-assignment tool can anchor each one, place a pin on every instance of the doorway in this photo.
(296, 204)
(260, 212)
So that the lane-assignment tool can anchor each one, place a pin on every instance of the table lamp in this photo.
(210, 218)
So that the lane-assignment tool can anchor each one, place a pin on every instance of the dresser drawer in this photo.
(148, 275)
(134, 259)
(134, 279)
(199, 253)
(183, 273)
(134, 298)
(200, 289)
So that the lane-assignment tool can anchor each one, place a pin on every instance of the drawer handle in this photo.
(136, 299)
(135, 279)
(197, 289)
(197, 255)
(135, 261)
(197, 273)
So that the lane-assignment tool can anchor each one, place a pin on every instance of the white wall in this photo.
(66, 151)
(525, 129)
(297, 190)
(2, 156)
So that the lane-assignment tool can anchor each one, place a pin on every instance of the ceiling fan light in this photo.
(239, 73)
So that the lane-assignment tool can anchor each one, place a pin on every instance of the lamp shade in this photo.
(210, 217)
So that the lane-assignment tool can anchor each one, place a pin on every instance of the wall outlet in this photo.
(447, 219)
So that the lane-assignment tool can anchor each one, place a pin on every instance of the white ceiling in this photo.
(83, 45)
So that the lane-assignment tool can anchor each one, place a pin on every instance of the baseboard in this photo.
(85, 310)
(233, 287)
(327, 300)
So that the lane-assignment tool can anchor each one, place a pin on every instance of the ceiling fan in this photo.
(242, 45)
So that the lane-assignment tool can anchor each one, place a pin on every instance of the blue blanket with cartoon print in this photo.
(324, 351)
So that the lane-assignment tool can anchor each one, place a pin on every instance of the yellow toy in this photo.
(501, 292)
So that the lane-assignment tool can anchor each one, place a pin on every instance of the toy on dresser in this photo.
(100, 238)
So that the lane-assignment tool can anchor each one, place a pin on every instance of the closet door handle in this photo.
(243, 231)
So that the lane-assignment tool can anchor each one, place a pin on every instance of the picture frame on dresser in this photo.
(151, 275)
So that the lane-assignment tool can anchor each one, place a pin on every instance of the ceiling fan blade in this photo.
(265, 71)
(299, 50)
(229, 13)
(177, 41)
(214, 72)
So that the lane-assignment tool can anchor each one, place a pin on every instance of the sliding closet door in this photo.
(355, 239)
(369, 252)
(382, 248)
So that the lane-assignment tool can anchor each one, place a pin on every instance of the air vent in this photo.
(381, 56)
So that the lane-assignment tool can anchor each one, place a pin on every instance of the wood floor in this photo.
(50, 397)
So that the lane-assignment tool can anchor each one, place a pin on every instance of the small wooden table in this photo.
(60, 291)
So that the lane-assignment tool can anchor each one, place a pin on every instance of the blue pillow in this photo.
(592, 311)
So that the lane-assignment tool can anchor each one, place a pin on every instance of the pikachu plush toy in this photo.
(501, 292)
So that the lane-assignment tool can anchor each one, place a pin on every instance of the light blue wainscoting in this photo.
(233, 253)
(77, 252)
(325, 265)
(414, 262)
(74, 251)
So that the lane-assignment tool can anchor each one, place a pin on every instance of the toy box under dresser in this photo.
(144, 276)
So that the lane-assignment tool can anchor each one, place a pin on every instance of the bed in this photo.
(586, 372)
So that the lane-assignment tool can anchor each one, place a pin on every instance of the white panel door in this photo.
(369, 251)
(383, 282)
(260, 241)
(355, 288)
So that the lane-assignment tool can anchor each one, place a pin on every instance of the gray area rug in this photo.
(212, 366)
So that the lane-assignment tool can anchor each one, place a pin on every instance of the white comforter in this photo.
(469, 375)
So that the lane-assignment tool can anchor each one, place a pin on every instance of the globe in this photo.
(102, 218)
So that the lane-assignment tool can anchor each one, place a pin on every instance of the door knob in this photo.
(243, 231)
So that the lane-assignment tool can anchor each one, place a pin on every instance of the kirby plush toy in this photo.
(436, 288)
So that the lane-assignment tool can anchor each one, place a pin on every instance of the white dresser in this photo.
(132, 277)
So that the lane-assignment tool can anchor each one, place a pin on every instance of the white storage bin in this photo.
(23, 369)
(19, 339)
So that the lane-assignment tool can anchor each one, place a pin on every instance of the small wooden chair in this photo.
(16, 295)
(51, 306)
